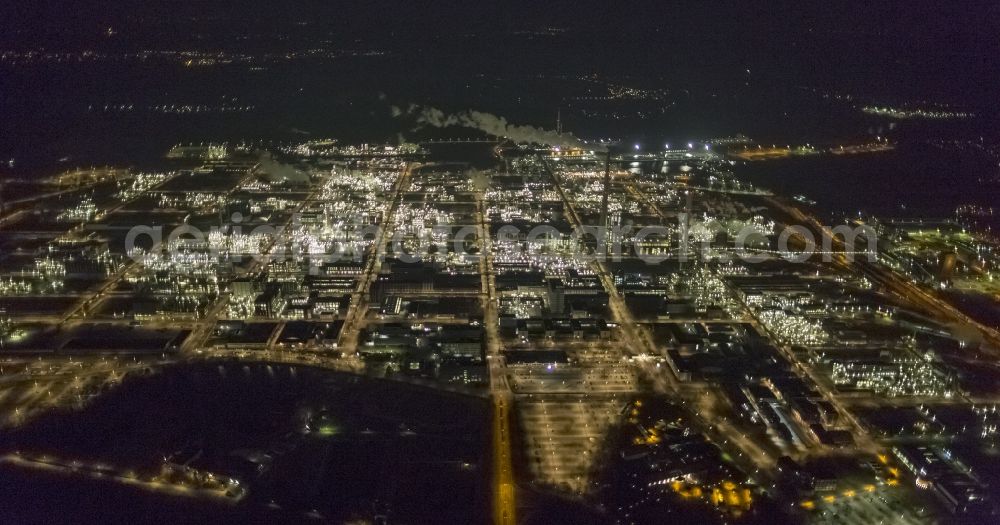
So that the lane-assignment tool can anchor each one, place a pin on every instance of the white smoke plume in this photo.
(490, 124)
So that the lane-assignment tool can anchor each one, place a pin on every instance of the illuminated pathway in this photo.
(750, 455)
(359, 299)
(566, 414)
(638, 344)
(504, 506)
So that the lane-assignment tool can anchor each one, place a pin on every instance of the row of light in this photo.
(690, 145)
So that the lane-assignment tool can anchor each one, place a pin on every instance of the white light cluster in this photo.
(793, 329)
(900, 377)
(138, 184)
(86, 210)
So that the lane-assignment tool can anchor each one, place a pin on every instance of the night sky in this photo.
(938, 48)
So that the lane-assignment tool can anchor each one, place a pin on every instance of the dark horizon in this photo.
(924, 48)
